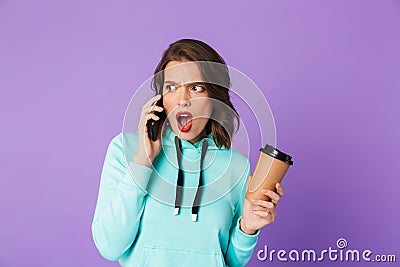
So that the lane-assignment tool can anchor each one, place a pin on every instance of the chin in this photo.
(186, 135)
(189, 135)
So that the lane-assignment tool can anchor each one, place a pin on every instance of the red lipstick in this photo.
(184, 119)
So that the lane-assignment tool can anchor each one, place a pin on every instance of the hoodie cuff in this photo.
(137, 175)
(244, 240)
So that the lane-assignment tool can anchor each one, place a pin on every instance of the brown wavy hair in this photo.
(221, 124)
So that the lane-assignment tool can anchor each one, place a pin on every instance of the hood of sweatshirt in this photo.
(168, 140)
(201, 147)
(186, 176)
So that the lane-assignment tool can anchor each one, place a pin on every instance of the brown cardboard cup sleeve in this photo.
(270, 169)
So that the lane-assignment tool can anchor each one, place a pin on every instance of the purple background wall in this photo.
(329, 69)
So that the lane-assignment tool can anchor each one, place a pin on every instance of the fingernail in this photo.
(263, 190)
(253, 201)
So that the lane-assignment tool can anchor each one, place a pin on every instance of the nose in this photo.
(184, 96)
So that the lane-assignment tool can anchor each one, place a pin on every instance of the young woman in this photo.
(180, 200)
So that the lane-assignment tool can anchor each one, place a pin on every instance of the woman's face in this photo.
(186, 101)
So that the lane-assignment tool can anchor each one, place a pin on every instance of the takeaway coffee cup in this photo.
(271, 167)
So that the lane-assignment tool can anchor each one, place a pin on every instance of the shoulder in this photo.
(239, 157)
(124, 143)
(234, 166)
(240, 163)
(122, 137)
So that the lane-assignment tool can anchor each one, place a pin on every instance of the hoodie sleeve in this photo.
(241, 245)
(120, 202)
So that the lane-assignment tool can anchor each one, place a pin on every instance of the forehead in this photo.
(181, 72)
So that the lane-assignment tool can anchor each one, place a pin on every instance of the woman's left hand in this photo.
(260, 213)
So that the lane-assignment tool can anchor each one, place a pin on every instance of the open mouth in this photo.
(184, 120)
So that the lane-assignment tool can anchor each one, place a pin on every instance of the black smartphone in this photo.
(152, 125)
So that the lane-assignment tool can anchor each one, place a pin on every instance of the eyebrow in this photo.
(175, 83)
(171, 82)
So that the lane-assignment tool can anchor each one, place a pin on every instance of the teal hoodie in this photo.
(144, 217)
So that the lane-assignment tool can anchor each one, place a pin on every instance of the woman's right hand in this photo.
(148, 149)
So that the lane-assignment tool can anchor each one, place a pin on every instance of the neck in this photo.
(199, 137)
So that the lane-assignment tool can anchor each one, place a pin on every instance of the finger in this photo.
(152, 101)
(279, 189)
(143, 123)
(158, 108)
(264, 206)
(153, 108)
(263, 203)
(259, 208)
(271, 194)
(152, 116)
(264, 214)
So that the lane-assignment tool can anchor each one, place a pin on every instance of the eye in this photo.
(170, 87)
(197, 88)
